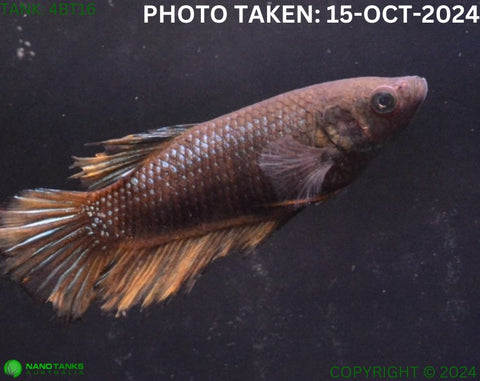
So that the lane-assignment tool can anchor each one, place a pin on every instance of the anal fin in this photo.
(155, 273)
(49, 246)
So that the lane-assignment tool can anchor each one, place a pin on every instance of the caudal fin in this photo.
(45, 239)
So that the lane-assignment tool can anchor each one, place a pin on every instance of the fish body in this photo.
(164, 204)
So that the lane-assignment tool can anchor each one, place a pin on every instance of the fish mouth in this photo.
(413, 88)
(420, 86)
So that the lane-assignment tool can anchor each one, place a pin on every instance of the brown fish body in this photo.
(163, 205)
(210, 173)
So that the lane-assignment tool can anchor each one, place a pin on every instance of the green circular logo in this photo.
(13, 368)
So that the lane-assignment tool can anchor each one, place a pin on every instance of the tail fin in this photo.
(44, 236)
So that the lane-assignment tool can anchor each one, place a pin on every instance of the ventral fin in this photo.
(121, 156)
(296, 170)
(301, 201)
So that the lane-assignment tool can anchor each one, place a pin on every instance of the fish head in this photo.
(361, 114)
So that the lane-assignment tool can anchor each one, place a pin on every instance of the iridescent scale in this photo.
(205, 175)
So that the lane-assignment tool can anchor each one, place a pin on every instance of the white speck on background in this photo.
(20, 53)
(24, 51)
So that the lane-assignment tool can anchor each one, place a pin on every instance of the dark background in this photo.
(384, 274)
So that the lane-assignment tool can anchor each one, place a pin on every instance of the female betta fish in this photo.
(162, 205)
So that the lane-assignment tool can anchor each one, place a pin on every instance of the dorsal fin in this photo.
(121, 156)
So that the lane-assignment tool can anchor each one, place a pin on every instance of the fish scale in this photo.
(238, 189)
(163, 204)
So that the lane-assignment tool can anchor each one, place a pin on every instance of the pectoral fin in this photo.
(296, 171)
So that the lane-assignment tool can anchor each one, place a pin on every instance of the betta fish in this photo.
(161, 205)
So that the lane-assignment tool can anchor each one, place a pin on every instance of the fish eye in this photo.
(383, 101)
